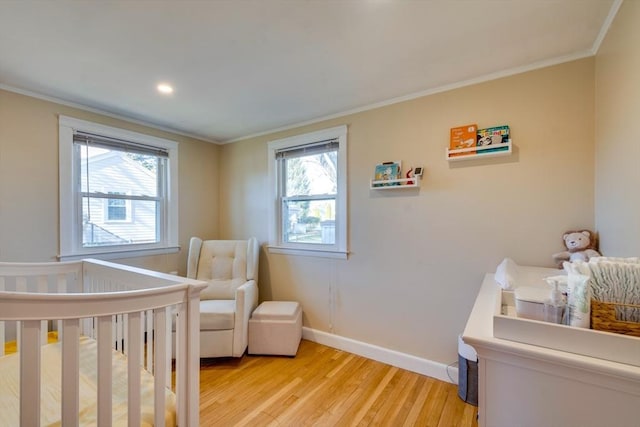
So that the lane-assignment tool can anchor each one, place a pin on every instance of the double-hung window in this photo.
(308, 212)
(118, 192)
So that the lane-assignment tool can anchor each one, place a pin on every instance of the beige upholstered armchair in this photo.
(231, 268)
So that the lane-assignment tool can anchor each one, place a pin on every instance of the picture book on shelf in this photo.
(493, 136)
(463, 137)
(385, 172)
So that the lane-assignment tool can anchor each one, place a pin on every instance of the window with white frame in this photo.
(118, 192)
(308, 176)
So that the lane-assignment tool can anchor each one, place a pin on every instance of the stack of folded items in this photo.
(614, 280)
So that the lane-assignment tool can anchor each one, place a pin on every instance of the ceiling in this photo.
(241, 68)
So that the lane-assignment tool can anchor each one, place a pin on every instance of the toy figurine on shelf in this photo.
(409, 176)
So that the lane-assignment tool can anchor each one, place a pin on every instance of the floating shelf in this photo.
(396, 184)
(480, 152)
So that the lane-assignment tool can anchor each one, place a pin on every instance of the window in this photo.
(308, 212)
(118, 192)
(117, 208)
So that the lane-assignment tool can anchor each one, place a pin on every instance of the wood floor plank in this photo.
(347, 394)
(265, 404)
(452, 410)
(419, 403)
(323, 386)
(331, 390)
(373, 396)
(394, 400)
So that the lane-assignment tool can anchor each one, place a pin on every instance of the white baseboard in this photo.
(391, 357)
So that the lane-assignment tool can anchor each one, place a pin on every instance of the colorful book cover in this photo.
(386, 172)
(493, 136)
(463, 137)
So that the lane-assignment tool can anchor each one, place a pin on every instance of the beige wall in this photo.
(29, 182)
(418, 257)
(617, 141)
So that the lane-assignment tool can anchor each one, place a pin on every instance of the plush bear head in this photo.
(581, 245)
(578, 240)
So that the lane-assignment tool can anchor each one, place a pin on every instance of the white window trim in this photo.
(70, 247)
(276, 245)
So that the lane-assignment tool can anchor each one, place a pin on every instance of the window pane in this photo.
(141, 227)
(309, 221)
(117, 172)
(116, 212)
(311, 175)
(116, 208)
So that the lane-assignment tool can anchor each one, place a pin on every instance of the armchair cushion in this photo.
(217, 314)
(221, 289)
(222, 268)
(223, 263)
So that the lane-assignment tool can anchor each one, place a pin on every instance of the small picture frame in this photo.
(387, 171)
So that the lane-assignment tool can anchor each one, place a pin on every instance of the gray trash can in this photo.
(467, 373)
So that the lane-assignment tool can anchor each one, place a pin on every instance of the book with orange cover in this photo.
(463, 137)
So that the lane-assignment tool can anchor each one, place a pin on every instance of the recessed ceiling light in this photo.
(165, 88)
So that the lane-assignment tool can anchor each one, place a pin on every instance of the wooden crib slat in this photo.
(2, 323)
(42, 288)
(133, 369)
(124, 339)
(61, 282)
(149, 340)
(181, 368)
(114, 330)
(168, 355)
(160, 361)
(30, 373)
(18, 335)
(21, 286)
(119, 327)
(105, 386)
(2, 341)
(192, 362)
(71, 372)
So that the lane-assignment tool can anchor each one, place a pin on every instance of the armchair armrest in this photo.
(246, 302)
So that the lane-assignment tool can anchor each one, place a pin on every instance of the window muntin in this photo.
(308, 173)
(118, 190)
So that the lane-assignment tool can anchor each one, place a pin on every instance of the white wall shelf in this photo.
(480, 152)
(395, 184)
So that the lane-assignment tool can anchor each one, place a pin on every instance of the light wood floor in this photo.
(323, 386)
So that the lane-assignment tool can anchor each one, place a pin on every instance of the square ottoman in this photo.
(275, 328)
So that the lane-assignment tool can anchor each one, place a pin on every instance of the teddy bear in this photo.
(581, 245)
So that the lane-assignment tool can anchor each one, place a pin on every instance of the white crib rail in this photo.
(57, 277)
(144, 301)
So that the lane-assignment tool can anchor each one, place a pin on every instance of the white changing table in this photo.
(528, 385)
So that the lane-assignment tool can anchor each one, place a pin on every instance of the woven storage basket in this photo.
(603, 318)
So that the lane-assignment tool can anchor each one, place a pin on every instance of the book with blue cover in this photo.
(385, 172)
(493, 136)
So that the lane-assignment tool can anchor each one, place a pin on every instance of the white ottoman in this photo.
(275, 327)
